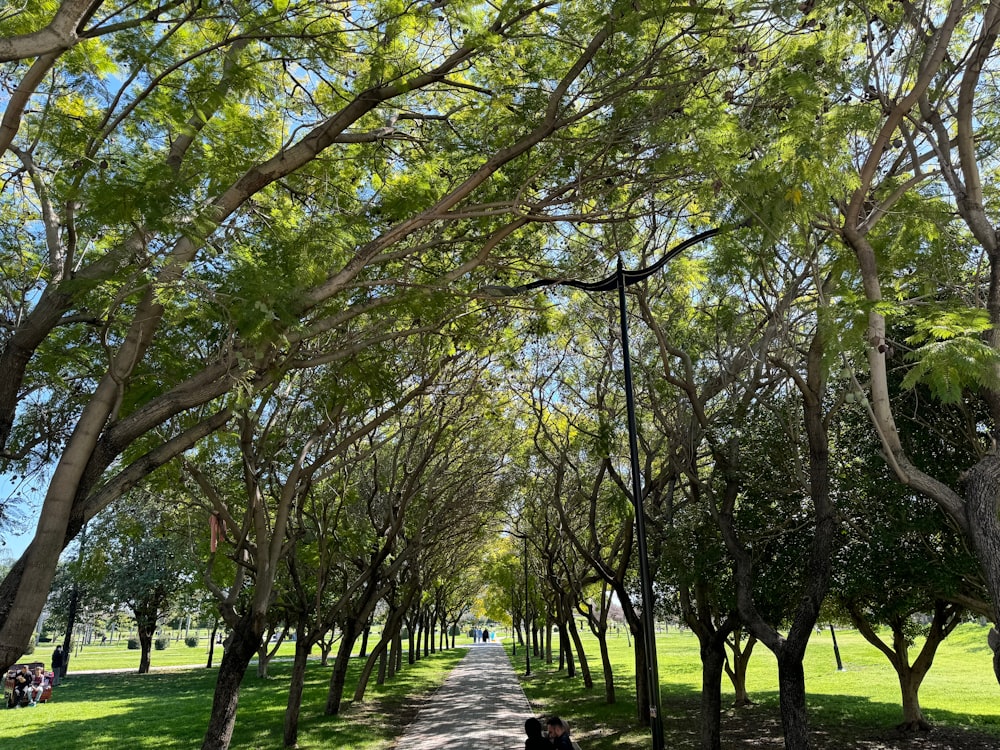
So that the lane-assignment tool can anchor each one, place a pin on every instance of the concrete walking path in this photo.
(480, 706)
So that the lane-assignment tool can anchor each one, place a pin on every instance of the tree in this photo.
(912, 100)
(266, 167)
(901, 559)
(135, 558)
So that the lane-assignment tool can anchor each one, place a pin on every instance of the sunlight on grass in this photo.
(959, 690)
(169, 710)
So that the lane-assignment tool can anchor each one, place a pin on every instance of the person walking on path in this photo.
(483, 693)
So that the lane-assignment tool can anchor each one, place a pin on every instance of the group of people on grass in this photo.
(558, 734)
(30, 684)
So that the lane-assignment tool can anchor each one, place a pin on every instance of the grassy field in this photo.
(861, 701)
(117, 655)
(168, 710)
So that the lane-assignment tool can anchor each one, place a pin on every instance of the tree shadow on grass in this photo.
(170, 711)
(836, 722)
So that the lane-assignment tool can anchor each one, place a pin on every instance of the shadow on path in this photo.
(480, 706)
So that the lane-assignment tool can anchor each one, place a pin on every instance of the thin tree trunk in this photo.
(335, 695)
(609, 677)
(588, 680)
(211, 643)
(383, 664)
(737, 670)
(377, 655)
(296, 684)
(639, 654)
(411, 657)
(364, 641)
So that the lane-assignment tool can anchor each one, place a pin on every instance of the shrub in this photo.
(161, 643)
(191, 641)
(30, 648)
(133, 644)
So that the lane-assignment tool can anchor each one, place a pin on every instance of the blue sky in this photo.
(16, 540)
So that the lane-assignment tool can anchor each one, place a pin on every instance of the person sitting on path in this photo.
(535, 741)
(559, 733)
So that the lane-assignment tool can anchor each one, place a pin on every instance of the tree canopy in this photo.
(278, 268)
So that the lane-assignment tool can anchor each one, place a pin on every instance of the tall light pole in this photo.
(645, 581)
(619, 280)
(527, 620)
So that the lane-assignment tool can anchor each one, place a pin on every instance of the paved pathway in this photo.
(480, 706)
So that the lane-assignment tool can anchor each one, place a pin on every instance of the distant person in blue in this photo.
(559, 733)
(535, 741)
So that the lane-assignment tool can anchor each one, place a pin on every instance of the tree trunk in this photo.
(909, 689)
(411, 640)
(792, 699)
(383, 665)
(296, 684)
(377, 655)
(74, 603)
(713, 659)
(738, 670)
(145, 646)
(641, 691)
(588, 680)
(392, 626)
(211, 643)
(981, 489)
(263, 660)
(609, 677)
(242, 645)
(566, 650)
(335, 695)
(364, 640)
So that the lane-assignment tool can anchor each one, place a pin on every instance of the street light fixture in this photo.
(619, 280)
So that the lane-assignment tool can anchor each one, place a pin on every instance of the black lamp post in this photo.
(645, 580)
(619, 280)
(527, 619)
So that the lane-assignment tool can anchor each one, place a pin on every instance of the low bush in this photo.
(161, 643)
(133, 644)
(191, 641)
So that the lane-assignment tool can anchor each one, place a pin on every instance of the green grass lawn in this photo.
(116, 655)
(169, 709)
(959, 691)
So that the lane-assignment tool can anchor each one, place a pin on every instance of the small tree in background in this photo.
(135, 560)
